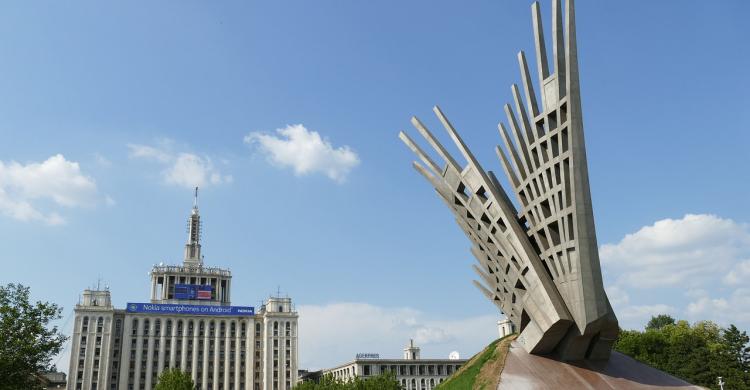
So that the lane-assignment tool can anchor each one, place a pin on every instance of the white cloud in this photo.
(691, 251)
(27, 190)
(642, 313)
(686, 267)
(617, 295)
(181, 169)
(734, 308)
(739, 274)
(102, 161)
(333, 334)
(306, 152)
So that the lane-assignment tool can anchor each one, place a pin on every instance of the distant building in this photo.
(413, 372)
(309, 376)
(505, 327)
(53, 380)
(188, 323)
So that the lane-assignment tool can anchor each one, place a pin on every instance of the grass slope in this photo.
(481, 372)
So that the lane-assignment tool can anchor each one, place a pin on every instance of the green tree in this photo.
(660, 321)
(738, 344)
(174, 379)
(27, 342)
(386, 381)
(698, 354)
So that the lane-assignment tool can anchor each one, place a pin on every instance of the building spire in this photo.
(193, 247)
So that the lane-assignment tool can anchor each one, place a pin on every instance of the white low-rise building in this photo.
(413, 372)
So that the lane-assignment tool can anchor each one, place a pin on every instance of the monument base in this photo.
(526, 371)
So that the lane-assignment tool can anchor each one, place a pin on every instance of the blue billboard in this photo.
(201, 310)
(192, 291)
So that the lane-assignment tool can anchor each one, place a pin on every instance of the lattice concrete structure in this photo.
(539, 264)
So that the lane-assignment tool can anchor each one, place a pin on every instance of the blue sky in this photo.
(142, 99)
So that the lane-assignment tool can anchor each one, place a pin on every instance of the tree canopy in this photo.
(660, 321)
(385, 381)
(27, 342)
(697, 353)
(174, 379)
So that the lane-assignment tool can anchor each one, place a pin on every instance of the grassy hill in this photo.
(483, 370)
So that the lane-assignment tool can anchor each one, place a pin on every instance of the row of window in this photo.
(401, 370)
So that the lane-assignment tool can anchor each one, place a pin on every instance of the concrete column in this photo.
(125, 356)
(153, 287)
(227, 353)
(250, 356)
(194, 366)
(237, 345)
(205, 354)
(173, 345)
(217, 342)
(184, 340)
(89, 357)
(150, 352)
(162, 344)
(104, 359)
(138, 353)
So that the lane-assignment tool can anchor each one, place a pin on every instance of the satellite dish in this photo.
(454, 356)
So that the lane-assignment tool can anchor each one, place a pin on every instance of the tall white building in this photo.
(188, 323)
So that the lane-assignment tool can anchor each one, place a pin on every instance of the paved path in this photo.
(525, 371)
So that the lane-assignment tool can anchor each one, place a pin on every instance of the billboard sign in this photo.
(201, 310)
(368, 356)
(192, 291)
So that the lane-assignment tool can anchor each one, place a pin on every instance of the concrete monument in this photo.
(539, 262)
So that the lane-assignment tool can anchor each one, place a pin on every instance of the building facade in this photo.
(505, 327)
(190, 324)
(413, 372)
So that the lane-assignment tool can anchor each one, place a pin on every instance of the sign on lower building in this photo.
(368, 356)
(201, 310)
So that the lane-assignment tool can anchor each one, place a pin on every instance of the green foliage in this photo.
(660, 321)
(698, 354)
(467, 375)
(174, 379)
(27, 344)
(385, 381)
